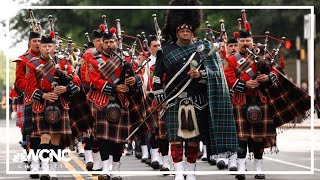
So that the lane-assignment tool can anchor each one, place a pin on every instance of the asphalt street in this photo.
(294, 160)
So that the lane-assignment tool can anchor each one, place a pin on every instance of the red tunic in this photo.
(84, 69)
(237, 83)
(44, 85)
(36, 86)
(22, 61)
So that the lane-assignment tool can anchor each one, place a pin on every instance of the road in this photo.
(294, 157)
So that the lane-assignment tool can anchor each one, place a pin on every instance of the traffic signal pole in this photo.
(298, 62)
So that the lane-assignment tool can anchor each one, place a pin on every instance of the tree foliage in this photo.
(75, 22)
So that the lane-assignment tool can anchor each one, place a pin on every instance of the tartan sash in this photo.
(223, 133)
(107, 68)
(222, 127)
(43, 71)
(243, 67)
(180, 53)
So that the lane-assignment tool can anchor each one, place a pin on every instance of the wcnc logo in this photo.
(38, 155)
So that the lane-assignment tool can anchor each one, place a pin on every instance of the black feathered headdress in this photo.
(181, 18)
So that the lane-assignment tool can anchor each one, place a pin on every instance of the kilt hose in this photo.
(81, 118)
(28, 122)
(40, 125)
(264, 129)
(172, 124)
(115, 132)
(20, 115)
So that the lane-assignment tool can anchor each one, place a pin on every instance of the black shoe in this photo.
(221, 164)
(96, 170)
(148, 161)
(103, 177)
(155, 165)
(241, 177)
(204, 159)
(143, 160)
(34, 176)
(44, 177)
(165, 169)
(81, 155)
(259, 176)
(138, 154)
(129, 152)
(89, 166)
(200, 154)
(212, 161)
(233, 168)
(117, 178)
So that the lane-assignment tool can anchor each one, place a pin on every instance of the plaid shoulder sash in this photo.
(180, 53)
(43, 71)
(107, 68)
(244, 65)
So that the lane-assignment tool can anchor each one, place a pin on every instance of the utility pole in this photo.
(298, 61)
(309, 30)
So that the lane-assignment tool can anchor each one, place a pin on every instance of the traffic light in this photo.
(287, 44)
(302, 54)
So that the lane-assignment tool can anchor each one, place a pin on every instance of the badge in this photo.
(27, 71)
(225, 64)
(194, 63)
(200, 48)
(151, 73)
(82, 62)
(91, 69)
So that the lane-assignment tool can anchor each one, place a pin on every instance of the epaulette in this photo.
(60, 56)
(17, 59)
(34, 58)
(125, 53)
(97, 56)
(167, 43)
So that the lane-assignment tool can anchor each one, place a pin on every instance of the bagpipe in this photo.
(265, 60)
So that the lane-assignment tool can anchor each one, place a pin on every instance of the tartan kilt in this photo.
(81, 118)
(139, 108)
(162, 129)
(40, 125)
(287, 101)
(172, 124)
(115, 132)
(20, 115)
(28, 122)
(263, 129)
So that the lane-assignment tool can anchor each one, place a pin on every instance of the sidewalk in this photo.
(307, 124)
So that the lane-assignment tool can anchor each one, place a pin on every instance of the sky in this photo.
(8, 10)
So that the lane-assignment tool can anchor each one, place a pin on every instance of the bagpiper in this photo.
(24, 107)
(50, 82)
(194, 94)
(260, 102)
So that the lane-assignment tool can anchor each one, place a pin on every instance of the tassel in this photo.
(102, 27)
(183, 119)
(247, 26)
(190, 122)
(113, 30)
(236, 34)
(52, 34)
(282, 62)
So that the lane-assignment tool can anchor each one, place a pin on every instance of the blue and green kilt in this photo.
(171, 118)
